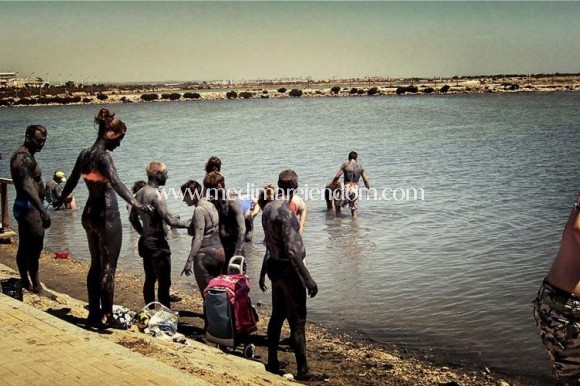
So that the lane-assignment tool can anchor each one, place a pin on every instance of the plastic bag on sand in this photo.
(158, 319)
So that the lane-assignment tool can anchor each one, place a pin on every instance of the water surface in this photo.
(454, 273)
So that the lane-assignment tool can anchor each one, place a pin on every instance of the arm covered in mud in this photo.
(198, 226)
(135, 222)
(303, 218)
(263, 271)
(295, 248)
(109, 170)
(72, 181)
(26, 168)
(339, 173)
(237, 209)
(171, 220)
(365, 178)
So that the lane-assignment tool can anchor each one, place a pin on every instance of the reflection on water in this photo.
(455, 273)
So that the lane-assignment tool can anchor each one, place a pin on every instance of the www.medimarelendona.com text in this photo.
(308, 194)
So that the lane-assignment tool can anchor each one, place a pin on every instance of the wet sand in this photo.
(347, 360)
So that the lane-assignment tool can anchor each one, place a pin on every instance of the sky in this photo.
(90, 42)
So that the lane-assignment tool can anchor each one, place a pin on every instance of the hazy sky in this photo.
(154, 41)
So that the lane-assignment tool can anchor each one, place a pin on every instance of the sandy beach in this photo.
(347, 360)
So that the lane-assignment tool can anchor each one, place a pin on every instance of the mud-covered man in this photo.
(291, 281)
(352, 172)
(28, 208)
(153, 246)
(232, 226)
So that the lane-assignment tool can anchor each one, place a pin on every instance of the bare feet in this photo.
(42, 292)
(311, 376)
(276, 368)
(174, 298)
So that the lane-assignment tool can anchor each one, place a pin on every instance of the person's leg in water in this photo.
(279, 312)
(352, 199)
(353, 208)
(328, 198)
(339, 202)
(333, 195)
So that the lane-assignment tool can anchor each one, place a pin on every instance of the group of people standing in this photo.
(219, 227)
(219, 230)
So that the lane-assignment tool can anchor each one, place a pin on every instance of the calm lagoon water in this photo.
(454, 273)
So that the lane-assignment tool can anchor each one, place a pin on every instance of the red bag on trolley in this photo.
(237, 289)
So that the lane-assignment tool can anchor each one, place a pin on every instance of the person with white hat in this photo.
(53, 190)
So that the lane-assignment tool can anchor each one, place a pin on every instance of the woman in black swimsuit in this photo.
(100, 217)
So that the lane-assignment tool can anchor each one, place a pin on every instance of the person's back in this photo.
(229, 226)
(250, 209)
(211, 228)
(298, 207)
(232, 223)
(152, 222)
(352, 172)
(93, 164)
(291, 281)
(277, 217)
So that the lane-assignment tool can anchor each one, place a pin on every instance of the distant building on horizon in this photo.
(7, 79)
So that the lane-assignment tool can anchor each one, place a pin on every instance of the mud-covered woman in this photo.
(100, 217)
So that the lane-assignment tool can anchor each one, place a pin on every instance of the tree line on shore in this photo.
(99, 93)
(31, 100)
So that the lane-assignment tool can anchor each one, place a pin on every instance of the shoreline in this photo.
(347, 358)
(179, 93)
